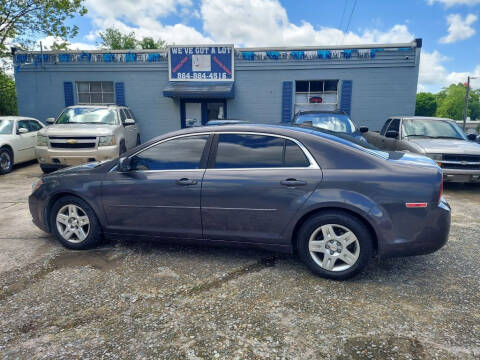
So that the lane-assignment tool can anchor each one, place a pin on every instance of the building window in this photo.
(95, 92)
(316, 95)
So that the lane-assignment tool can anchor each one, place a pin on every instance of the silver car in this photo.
(440, 139)
(86, 133)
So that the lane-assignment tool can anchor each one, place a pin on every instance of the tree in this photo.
(8, 95)
(426, 104)
(451, 102)
(22, 20)
(150, 43)
(113, 39)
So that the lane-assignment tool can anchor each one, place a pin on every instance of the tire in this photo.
(47, 169)
(66, 223)
(123, 148)
(138, 140)
(6, 161)
(335, 245)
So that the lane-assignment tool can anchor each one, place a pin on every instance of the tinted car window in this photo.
(384, 128)
(249, 151)
(123, 115)
(180, 153)
(34, 125)
(294, 156)
(394, 125)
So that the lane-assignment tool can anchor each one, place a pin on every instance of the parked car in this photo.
(86, 133)
(283, 188)
(440, 139)
(18, 135)
(334, 121)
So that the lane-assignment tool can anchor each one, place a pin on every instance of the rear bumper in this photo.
(66, 157)
(430, 238)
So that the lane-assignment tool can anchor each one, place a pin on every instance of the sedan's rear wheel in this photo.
(74, 223)
(6, 161)
(335, 245)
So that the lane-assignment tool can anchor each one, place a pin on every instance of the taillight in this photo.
(441, 190)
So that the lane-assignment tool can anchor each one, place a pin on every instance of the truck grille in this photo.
(66, 142)
(461, 167)
(461, 157)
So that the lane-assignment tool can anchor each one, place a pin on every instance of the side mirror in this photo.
(363, 129)
(472, 137)
(129, 122)
(22, 131)
(124, 164)
(393, 134)
(50, 120)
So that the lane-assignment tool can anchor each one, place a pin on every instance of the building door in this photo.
(199, 112)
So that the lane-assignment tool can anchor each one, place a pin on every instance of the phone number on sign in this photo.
(212, 76)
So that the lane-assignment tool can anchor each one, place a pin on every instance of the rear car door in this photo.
(161, 194)
(253, 186)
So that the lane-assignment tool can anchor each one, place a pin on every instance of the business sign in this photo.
(200, 63)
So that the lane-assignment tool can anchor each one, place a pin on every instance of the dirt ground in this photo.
(142, 300)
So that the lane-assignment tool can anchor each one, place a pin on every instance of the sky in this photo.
(449, 28)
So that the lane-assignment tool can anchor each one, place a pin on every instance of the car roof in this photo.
(419, 118)
(17, 118)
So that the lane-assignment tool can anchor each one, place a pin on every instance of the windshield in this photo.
(6, 127)
(87, 116)
(432, 129)
(332, 122)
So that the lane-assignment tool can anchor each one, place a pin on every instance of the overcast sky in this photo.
(449, 28)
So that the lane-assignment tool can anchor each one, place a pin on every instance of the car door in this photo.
(253, 186)
(130, 130)
(161, 194)
(134, 128)
(392, 144)
(25, 142)
(34, 126)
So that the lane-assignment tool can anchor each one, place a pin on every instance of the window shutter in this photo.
(346, 96)
(68, 93)
(120, 93)
(287, 88)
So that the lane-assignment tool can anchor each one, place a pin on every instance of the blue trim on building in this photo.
(287, 101)
(120, 94)
(68, 93)
(346, 96)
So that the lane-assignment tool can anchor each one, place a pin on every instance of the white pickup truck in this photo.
(86, 133)
(440, 139)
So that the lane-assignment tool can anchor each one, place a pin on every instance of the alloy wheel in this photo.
(5, 161)
(73, 223)
(334, 247)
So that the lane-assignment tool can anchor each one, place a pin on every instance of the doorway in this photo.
(197, 112)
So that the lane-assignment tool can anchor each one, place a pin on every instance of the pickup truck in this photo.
(440, 139)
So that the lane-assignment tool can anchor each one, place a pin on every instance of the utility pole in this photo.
(467, 93)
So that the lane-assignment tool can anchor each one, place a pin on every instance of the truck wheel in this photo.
(47, 169)
(6, 161)
(335, 245)
(74, 223)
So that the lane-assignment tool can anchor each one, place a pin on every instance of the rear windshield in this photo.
(87, 115)
(333, 122)
(6, 127)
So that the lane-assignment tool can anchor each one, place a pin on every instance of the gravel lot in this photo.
(141, 300)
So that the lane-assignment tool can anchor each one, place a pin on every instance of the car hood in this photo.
(447, 146)
(88, 167)
(78, 130)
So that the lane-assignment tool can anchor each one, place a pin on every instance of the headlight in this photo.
(36, 184)
(42, 140)
(106, 140)
(436, 157)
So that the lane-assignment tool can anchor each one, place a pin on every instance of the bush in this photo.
(8, 95)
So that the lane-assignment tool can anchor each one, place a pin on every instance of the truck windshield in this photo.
(440, 129)
(6, 127)
(333, 122)
(87, 115)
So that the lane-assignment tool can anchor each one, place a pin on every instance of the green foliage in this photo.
(452, 103)
(23, 20)
(114, 39)
(426, 104)
(8, 95)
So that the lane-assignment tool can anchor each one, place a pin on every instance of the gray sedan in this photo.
(289, 189)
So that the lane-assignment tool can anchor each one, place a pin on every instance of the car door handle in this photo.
(186, 182)
(293, 182)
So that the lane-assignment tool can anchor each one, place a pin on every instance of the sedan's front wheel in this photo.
(335, 245)
(74, 223)
(6, 161)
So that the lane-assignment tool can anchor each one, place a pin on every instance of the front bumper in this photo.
(68, 157)
(461, 175)
(422, 239)
(38, 211)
